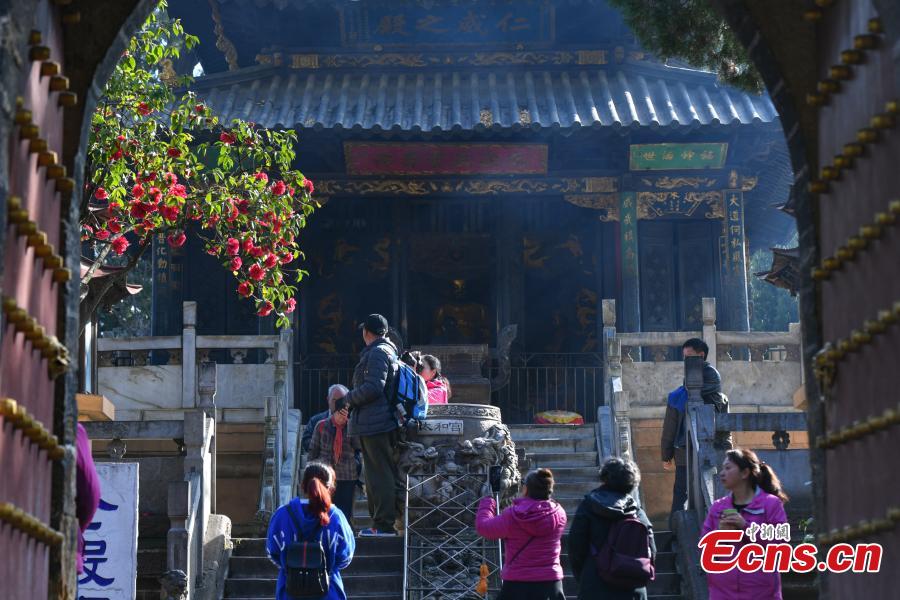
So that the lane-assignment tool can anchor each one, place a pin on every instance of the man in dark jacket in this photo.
(674, 435)
(599, 509)
(373, 421)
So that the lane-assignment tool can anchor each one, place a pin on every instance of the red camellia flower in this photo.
(257, 273)
(243, 206)
(137, 191)
(270, 261)
(143, 109)
(169, 213)
(266, 309)
(247, 245)
(102, 234)
(287, 258)
(290, 305)
(155, 194)
(232, 246)
(199, 108)
(308, 184)
(100, 194)
(173, 152)
(262, 177)
(236, 263)
(233, 214)
(244, 289)
(213, 219)
(116, 155)
(178, 190)
(226, 138)
(170, 179)
(177, 240)
(138, 209)
(114, 225)
(257, 251)
(120, 245)
(279, 188)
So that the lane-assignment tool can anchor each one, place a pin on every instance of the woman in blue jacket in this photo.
(316, 510)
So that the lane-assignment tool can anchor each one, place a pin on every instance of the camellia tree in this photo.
(163, 164)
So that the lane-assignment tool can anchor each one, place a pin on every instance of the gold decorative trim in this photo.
(668, 183)
(37, 239)
(57, 354)
(860, 429)
(592, 57)
(425, 187)
(609, 203)
(440, 59)
(652, 205)
(29, 525)
(34, 430)
(856, 244)
(833, 354)
(863, 528)
(222, 42)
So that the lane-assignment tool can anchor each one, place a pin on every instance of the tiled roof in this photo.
(437, 101)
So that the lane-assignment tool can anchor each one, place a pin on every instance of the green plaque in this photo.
(655, 157)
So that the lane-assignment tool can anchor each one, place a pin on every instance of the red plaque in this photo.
(389, 158)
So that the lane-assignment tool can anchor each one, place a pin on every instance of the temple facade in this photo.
(489, 171)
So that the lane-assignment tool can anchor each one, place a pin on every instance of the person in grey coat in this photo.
(373, 421)
(595, 515)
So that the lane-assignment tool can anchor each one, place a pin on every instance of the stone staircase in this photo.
(570, 451)
(375, 574)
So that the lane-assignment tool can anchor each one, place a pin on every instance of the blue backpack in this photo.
(409, 393)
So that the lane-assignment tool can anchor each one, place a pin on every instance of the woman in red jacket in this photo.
(531, 530)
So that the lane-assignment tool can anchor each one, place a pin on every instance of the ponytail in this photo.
(770, 483)
(318, 484)
(761, 474)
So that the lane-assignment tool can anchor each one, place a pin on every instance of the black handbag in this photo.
(305, 564)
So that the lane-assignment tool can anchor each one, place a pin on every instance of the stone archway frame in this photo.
(94, 45)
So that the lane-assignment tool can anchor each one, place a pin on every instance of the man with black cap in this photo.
(372, 419)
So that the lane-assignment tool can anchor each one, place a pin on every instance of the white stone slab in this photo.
(110, 551)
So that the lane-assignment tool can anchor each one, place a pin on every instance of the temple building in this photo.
(483, 164)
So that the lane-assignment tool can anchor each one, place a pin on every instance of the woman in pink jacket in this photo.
(438, 386)
(531, 530)
(756, 497)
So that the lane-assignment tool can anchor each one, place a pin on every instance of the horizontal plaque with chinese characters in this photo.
(456, 24)
(376, 158)
(442, 427)
(655, 157)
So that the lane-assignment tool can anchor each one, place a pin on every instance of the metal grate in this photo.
(443, 555)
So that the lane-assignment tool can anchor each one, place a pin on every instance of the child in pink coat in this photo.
(437, 384)
(757, 497)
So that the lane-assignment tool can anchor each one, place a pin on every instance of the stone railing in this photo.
(143, 390)
(638, 389)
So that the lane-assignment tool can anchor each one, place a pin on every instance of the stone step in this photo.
(579, 474)
(523, 433)
(390, 582)
(554, 444)
(562, 459)
(258, 567)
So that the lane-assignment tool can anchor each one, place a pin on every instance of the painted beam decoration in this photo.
(379, 158)
(456, 24)
(454, 186)
(655, 157)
